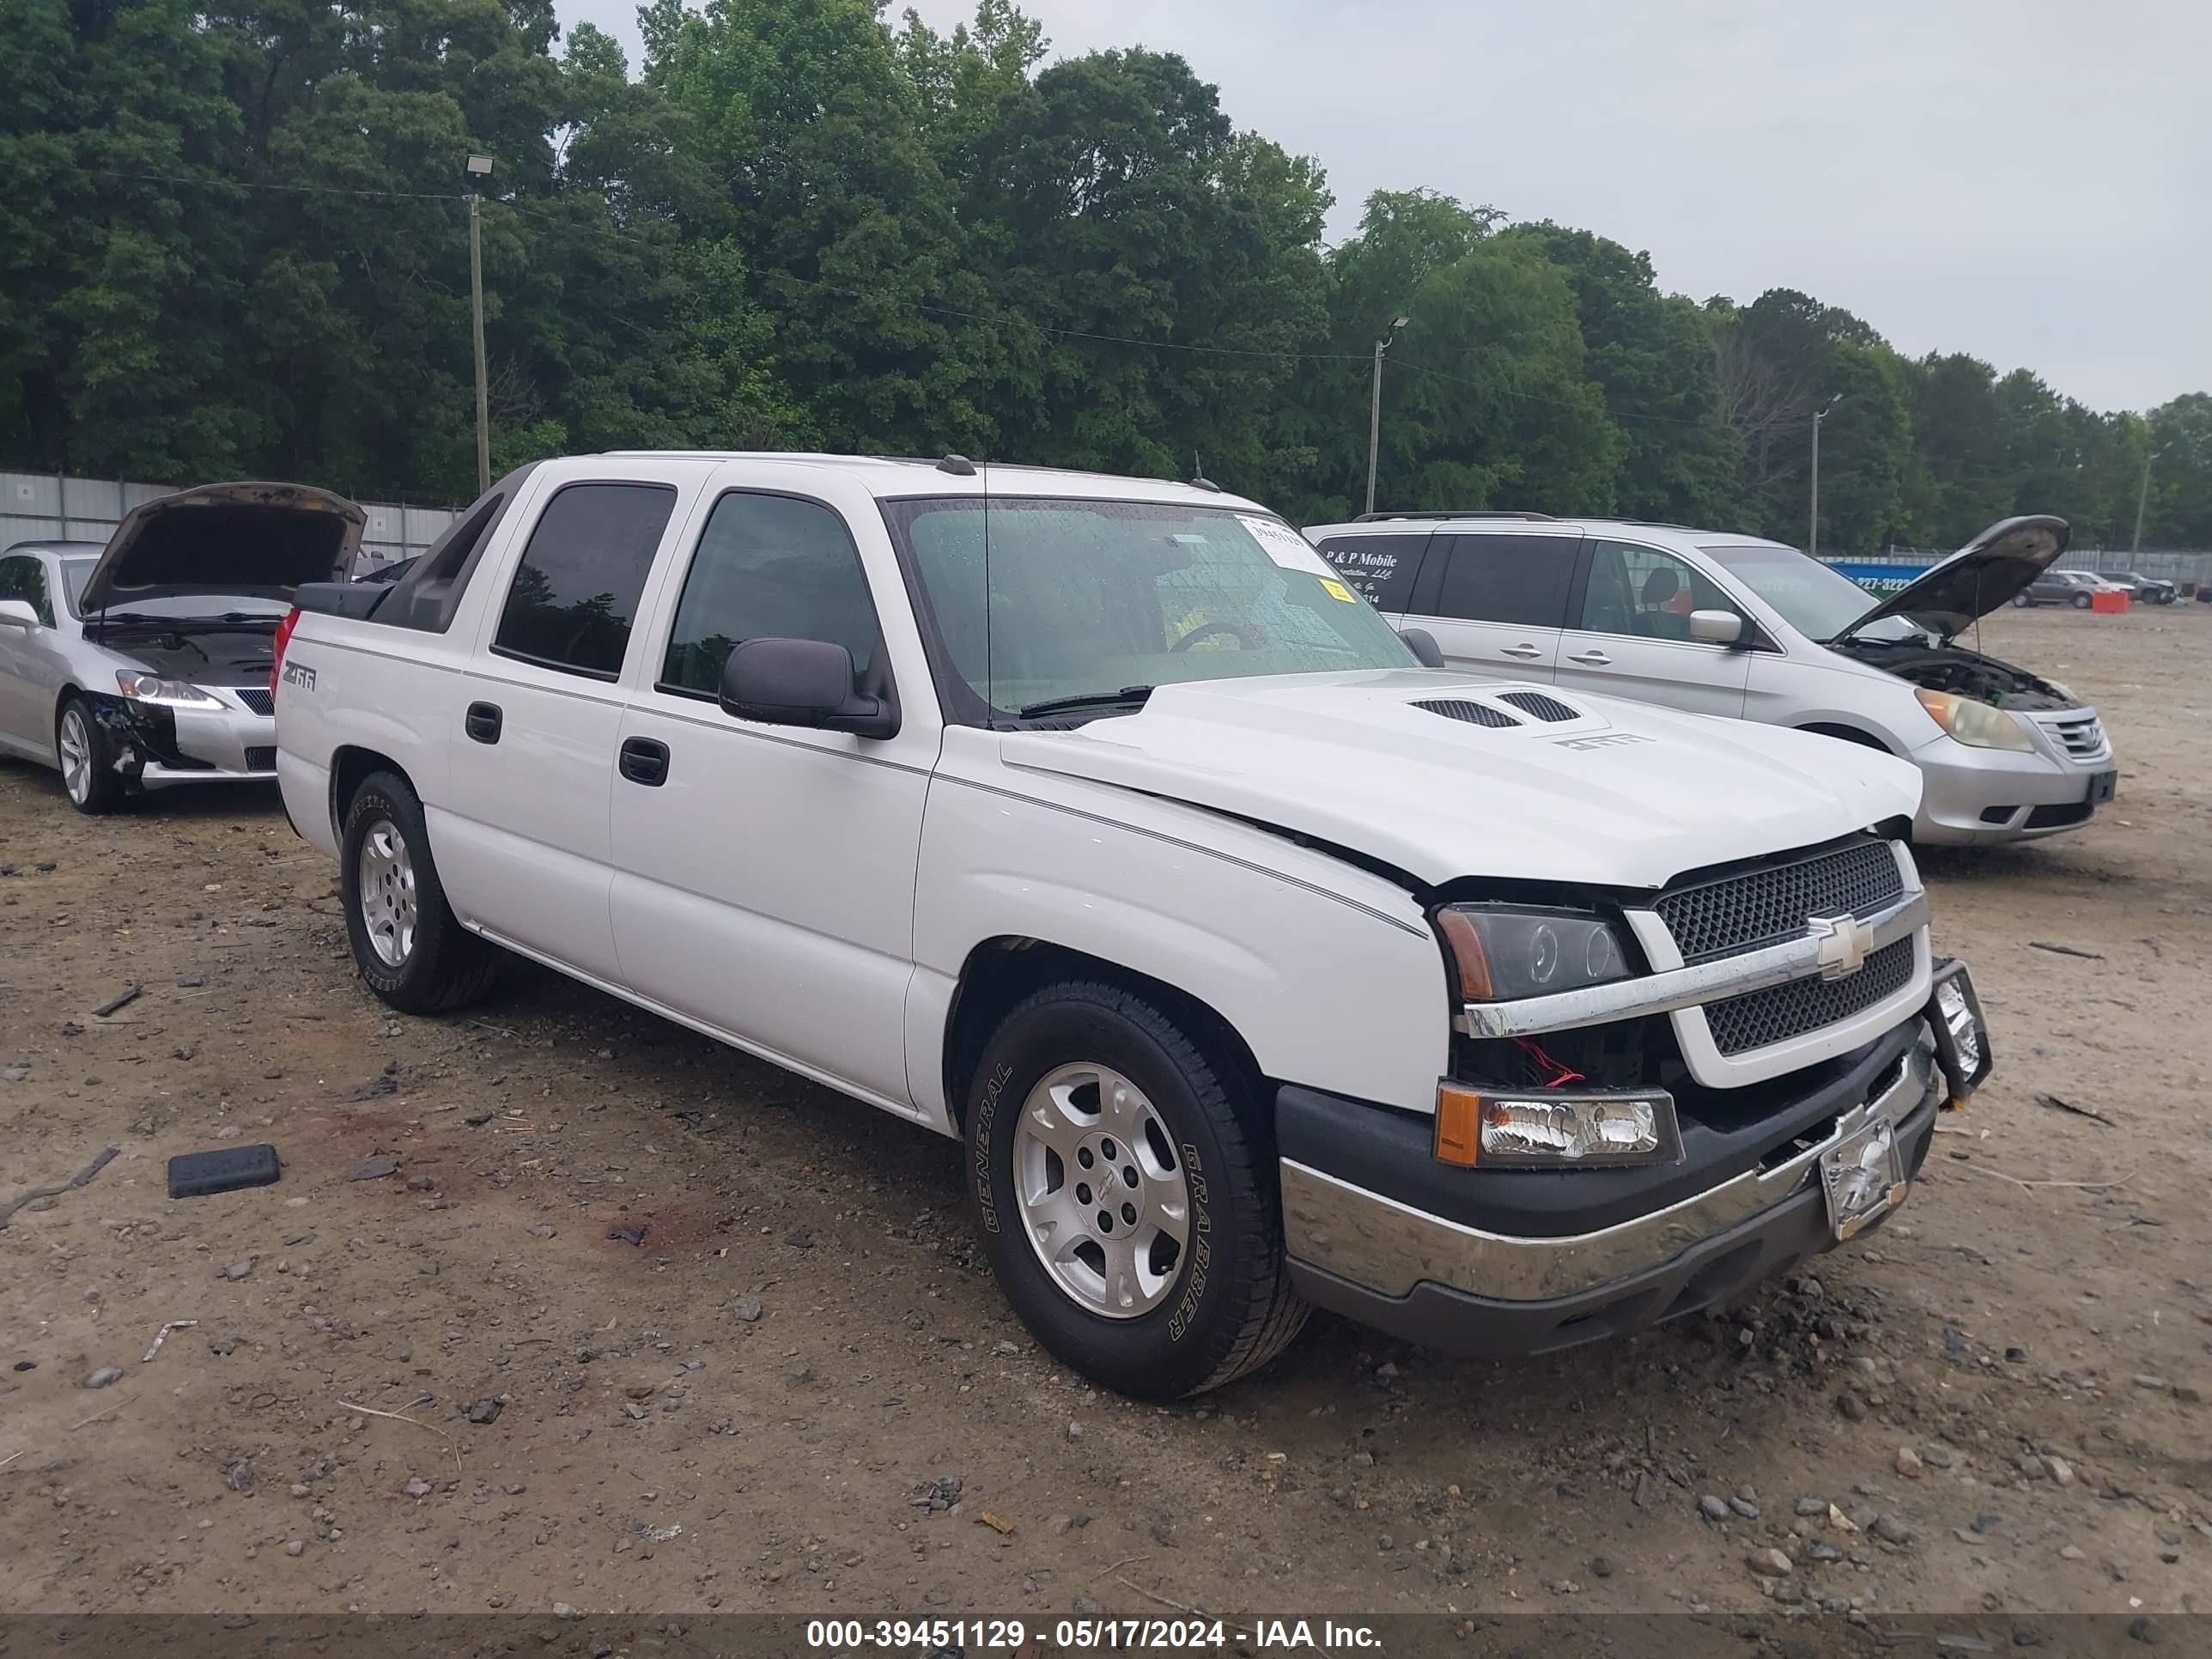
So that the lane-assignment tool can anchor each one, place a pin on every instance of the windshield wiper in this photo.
(1127, 694)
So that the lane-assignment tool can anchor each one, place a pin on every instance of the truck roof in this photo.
(897, 476)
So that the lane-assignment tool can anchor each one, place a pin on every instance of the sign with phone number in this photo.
(1879, 576)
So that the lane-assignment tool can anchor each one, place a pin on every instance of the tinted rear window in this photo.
(1521, 580)
(1381, 568)
(576, 593)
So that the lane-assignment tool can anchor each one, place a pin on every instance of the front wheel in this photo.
(411, 949)
(87, 759)
(1126, 1189)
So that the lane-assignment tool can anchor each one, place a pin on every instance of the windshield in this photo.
(1099, 599)
(190, 607)
(75, 574)
(1817, 601)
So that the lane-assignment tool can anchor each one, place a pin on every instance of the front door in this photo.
(1633, 637)
(764, 874)
(537, 722)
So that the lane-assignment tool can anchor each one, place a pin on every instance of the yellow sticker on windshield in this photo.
(1337, 590)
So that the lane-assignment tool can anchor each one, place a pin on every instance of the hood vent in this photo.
(1537, 703)
(1475, 713)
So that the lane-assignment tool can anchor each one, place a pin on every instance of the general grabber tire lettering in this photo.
(1125, 1185)
(411, 949)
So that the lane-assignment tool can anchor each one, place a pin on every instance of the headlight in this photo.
(1481, 1128)
(1502, 954)
(1974, 724)
(164, 693)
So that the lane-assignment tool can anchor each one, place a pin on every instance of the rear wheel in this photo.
(1126, 1193)
(410, 948)
(87, 760)
(2021, 602)
(2080, 601)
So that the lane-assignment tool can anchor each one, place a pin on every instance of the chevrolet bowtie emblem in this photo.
(1843, 942)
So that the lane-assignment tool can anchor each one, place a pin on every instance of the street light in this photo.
(1375, 406)
(2142, 495)
(1819, 415)
(479, 166)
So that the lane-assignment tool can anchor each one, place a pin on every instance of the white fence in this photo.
(46, 507)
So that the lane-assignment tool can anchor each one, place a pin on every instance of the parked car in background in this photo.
(1099, 822)
(1751, 629)
(145, 662)
(2142, 590)
(2076, 589)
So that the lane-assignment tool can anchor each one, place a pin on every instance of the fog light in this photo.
(1951, 1003)
(1962, 1037)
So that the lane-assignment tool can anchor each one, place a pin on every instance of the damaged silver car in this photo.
(146, 662)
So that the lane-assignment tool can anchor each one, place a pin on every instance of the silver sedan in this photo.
(145, 662)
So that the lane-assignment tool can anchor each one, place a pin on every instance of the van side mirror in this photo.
(1716, 627)
(806, 682)
(18, 613)
(1423, 644)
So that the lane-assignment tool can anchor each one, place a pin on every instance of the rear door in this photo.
(764, 874)
(1631, 633)
(1382, 566)
(1496, 600)
(536, 720)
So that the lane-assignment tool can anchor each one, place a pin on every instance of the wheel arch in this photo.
(353, 764)
(1000, 971)
(1848, 733)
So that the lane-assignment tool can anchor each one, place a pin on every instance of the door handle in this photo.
(1591, 659)
(644, 760)
(1526, 652)
(482, 722)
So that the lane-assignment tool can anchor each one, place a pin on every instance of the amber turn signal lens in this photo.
(1459, 1125)
(1459, 931)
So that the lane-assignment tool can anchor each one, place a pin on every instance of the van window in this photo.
(1509, 578)
(1641, 591)
(768, 567)
(575, 592)
(1381, 568)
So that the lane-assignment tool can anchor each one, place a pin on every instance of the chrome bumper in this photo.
(1686, 987)
(1387, 1247)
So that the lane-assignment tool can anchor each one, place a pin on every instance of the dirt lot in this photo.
(748, 1410)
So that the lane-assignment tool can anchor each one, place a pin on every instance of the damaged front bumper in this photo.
(151, 747)
(1500, 1263)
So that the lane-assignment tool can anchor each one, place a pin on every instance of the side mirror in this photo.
(1716, 627)
(806, 682)
(1423, 644)
(18, 613)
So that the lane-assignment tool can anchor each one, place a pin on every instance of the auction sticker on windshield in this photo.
(1285, 545)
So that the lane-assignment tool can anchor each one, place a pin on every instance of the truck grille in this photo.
(2078, 733)
(1783, 1011)
(1763, 906)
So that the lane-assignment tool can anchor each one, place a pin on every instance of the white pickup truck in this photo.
(1095, 820)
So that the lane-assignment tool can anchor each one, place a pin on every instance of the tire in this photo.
(1224, 1304)
(410, 948)
(2021, 602)
(2081, 601)
(85, 760)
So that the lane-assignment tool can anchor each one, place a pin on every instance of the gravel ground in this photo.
(800, 1392)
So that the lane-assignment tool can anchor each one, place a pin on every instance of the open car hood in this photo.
(1985, 574)
(257, 539)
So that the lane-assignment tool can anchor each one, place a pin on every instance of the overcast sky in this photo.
(2026, 180)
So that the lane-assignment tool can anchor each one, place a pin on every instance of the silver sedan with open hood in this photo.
(146, 662)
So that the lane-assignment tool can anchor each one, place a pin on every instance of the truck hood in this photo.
(1444, 775)
(261, 540)
(1985, 574)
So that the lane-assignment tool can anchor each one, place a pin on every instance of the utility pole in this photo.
(479, 167)
(1813, 539)
(2142, 497)
(1375, 408)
